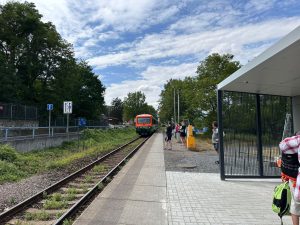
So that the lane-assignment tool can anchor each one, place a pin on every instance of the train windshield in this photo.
(144, 120)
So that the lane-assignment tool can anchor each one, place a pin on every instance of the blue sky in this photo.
(137, 45)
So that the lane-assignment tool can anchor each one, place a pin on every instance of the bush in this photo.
(9, 172)
(8, 153)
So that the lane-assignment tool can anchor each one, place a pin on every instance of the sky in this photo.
(138, 45)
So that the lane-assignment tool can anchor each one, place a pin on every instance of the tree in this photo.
(134, 104)
(116, 109)
(198, 99)
(212, 71)
(33, 50)
(38, 67)
(166, 104)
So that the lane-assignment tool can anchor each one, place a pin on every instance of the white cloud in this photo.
(230, 40)
(260, 5)
(151, 83)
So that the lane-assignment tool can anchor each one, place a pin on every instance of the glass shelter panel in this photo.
(240, 134)
(253, 127)
(276, 121)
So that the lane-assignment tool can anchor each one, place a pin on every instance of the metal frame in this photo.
(260, 157)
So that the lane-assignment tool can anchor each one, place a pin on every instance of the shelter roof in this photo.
(276, 71)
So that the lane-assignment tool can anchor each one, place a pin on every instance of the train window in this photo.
(144, 120)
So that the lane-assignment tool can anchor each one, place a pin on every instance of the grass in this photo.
(42, 215)
(15, 166)
(88, 179)
(53, 204)
(99, 168)
(67, 222)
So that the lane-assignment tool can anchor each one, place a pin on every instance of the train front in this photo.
(143, 124)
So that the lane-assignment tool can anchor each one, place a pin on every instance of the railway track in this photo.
(59, 203)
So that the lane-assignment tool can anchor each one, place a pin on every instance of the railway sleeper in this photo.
(77, 190)
(24, 222)
(93, 180)
(80, 185)
(67, 202)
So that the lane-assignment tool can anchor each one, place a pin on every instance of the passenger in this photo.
(177, 128)
(182, 133)
(215, 138)
(290, 166)
(169, 137)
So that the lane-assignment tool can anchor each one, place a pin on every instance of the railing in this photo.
(22, 133)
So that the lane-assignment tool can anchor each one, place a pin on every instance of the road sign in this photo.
(49, 107)
(68, 107)
(82, 122)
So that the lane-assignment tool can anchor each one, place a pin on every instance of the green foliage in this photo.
(72, 191)
(99, 168)
(134, 104)
(53, 204)
(116, 109)
(10, 172)
(95, 141)
(8, 153)
(67, 222)
(56, 197)
(42, 215)
(88, 179)
(198, 99)
(38, 66)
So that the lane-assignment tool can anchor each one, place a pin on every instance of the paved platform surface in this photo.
(143, 193)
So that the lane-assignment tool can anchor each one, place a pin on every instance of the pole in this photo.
(178, 107)
(49, 123)
(174, 106)
(259, 137)
(68, 122)
(220, 128)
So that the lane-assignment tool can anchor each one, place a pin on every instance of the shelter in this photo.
(258, 106)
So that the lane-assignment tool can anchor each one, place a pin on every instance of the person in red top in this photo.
(177, 128)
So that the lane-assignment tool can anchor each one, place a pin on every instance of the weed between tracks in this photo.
(15, 166)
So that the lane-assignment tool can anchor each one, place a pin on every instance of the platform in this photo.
(144, 193)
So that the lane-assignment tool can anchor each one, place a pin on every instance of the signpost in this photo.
(49, 108)
(68, 107)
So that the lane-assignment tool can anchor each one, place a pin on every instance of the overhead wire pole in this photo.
(174, 106)
(178, 107)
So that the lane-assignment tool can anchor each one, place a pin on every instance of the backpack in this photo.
(282, 200)
(290, 164)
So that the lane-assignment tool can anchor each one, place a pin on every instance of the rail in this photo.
(7, 215)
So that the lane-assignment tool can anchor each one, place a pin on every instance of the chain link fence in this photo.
(10, 111)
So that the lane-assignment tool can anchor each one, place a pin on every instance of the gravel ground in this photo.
(201, 161)
(14, 193)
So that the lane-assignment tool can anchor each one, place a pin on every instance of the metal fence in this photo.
(252, 127)
(11, 111)
(22, 133)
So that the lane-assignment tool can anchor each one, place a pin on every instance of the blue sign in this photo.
(49, 107)
(81, 122)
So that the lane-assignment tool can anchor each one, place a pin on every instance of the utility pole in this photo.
(178, 106)
(174, 106)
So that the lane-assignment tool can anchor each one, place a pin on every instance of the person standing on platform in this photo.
(290, 161)
(182, 133)
(169, 137)
(177, 128)
(215, 138)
